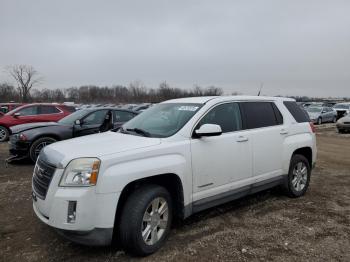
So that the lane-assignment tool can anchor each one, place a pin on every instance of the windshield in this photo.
(69, 120)
(342, 106)
(314, 109)
(162, 120)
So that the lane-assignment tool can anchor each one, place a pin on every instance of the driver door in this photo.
(221, 163)
(90, 124)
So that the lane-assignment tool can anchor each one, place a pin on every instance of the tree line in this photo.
(135, 92)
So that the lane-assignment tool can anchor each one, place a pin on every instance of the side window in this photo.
(299, 114)
(278, 114)
(45, 110)
(228, 116)
(95, 118)
(259, 114)
(28, 111)
(122, 116)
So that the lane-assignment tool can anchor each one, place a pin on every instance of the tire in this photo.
(132, 222)
(38, 145)
(4, 134)
(319, 121)
(334, 119)
(297, 183)
(341, 131)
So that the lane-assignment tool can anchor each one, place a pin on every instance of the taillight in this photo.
(313, 129)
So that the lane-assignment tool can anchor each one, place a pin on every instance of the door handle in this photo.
(283, 131)
(242, 139)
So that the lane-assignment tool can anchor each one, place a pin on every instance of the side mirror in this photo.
(77, 122)
(209, 130)
(16, 114)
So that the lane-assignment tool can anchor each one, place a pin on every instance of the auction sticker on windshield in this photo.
(188, 108)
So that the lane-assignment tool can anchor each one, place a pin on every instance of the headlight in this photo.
(81, 172)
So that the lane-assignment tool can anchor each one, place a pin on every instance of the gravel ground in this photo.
(264, 227)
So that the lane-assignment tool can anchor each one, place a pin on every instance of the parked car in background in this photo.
(342, 109)
(7, 107)
(31, 113)
(321, 114)
(173, 160)
(343, 124)
(28, 140)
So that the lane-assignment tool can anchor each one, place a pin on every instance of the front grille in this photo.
(42, 176)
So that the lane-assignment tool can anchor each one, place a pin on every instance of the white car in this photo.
(175, 159)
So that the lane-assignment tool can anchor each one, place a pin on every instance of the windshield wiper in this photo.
(139, 131)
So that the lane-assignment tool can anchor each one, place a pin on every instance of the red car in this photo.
(32, 113)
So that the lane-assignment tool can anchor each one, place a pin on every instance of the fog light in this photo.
(72, 208)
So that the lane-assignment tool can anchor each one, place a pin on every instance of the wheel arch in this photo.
(304, 151)
(170, 181)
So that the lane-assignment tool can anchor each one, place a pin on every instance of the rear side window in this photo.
(95, 118)
(261, 114)
(122, 116)
(70, 108)
(227, 116)
(298, 113)
(44, 110)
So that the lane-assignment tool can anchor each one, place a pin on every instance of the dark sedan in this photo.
(28, 140)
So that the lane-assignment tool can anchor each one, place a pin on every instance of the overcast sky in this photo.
(295, 47)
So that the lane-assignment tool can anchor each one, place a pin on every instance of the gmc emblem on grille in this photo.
(39, 171)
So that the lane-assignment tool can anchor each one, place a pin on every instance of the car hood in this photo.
(24, 127)
(61, 153)
(314, 115)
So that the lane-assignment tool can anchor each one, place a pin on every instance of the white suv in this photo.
(176, 158)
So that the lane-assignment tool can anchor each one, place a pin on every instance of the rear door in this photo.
(91, 123)
(120, 117)
(49, 113)
(264, 123)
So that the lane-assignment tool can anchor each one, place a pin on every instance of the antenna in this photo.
(261, 87)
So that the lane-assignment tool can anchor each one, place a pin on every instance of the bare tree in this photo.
(26, 77)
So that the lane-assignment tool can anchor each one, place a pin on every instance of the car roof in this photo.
(205, 99)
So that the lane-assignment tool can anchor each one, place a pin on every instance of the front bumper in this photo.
(343, 126)
(19, 148)
(94, 214)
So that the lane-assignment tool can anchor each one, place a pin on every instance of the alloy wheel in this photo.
(300, 176)
(155, 221)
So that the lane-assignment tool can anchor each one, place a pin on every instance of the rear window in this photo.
(298, 113)
(261, 114)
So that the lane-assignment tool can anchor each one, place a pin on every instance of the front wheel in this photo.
(38, 145)
(146, 220)
(319, 121)
(298, 176)
(4, 133)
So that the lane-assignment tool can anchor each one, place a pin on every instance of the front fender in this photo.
(117, 176)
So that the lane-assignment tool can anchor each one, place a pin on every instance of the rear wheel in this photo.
(38, 145)
(4, 133)
(319, 121)
(298, 177)
(146, 220)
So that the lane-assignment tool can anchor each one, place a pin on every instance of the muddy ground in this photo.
(264, 227)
